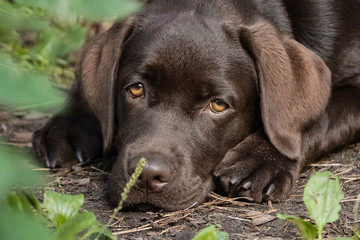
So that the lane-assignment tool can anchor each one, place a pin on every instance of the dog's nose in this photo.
(155, 175)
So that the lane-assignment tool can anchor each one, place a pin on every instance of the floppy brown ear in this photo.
(97, 71)
(294, 84)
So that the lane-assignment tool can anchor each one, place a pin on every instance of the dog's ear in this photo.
(96, 74)
(294, 85)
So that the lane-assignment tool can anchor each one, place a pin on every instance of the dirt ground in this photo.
(241, 219)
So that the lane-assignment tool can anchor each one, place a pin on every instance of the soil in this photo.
(240, 218)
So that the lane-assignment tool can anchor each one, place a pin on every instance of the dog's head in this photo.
(181, 89)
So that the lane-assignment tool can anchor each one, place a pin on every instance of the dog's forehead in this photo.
(187, 54)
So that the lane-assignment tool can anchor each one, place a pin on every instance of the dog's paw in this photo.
(63, 143)
(255, 169)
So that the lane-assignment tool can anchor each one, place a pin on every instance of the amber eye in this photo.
(136, 90)
(218, 106)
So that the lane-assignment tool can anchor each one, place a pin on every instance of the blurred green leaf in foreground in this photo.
(20, 88)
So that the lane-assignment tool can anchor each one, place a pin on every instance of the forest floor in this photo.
(242, 220)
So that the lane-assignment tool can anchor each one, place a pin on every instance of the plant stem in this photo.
(319, 233)
(129, 185)
(126, 191)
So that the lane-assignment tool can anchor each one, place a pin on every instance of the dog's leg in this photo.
(339, 126)
(69, 137)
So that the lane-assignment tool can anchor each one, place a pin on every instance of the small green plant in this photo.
(322, 195)
(59, 217)
(210, 233)
(68, 221)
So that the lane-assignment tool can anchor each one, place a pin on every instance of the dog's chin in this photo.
(149, 207)
(154, 203)
(166, 200)
(142, 207)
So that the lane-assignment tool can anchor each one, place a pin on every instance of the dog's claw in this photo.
(47, 163)
(270, 190)
(52, 163)
(79, 156)
(234, 180)
(247, 185)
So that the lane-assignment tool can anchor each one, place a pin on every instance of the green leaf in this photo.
(20, 202)
(97, 10)
(321, 196)
(89, 9)
(97, 228)
(34, 202)
(26, 204)
(15, 170)
(222, 235)
(22, 88)
(82, 223)
(57, 43)
(50, 5)
(13, 18)
(75, 225)
(74, 39)
(210, 233)
(18, 225)
(306, 229)
(61, 207)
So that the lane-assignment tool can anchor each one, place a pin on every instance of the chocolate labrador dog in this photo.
(239, 93)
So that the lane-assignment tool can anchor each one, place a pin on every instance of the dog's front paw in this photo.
(255, 169)
(64, 142)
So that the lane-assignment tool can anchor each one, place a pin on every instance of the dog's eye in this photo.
(218, 106)
(136, 90)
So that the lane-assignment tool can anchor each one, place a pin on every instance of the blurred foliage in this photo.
(39, 40)
(95, 10)
(22, 89)
(17, 220)
(41, 35)
(15, 170)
